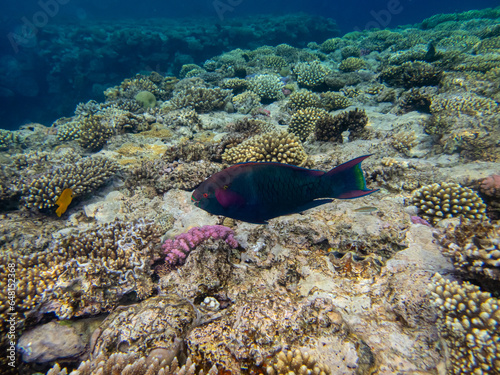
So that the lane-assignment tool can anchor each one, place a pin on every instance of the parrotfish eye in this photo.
(205, 195)
(226, 187)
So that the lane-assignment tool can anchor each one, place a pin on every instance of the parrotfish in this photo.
(258, 191)
(63, 201)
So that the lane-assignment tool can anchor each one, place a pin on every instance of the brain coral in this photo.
(468, 320)
(274, 146)
(440, 201)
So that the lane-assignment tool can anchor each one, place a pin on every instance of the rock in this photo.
(50, 342)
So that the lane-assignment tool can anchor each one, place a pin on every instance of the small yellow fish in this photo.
(63, 201)
(366, 209)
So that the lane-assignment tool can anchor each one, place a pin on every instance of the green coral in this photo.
(351, 64)
(146, 99)
(330, 45)
(333, 100)
(412, 74)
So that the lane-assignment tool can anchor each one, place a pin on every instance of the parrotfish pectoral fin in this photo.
(316, 203)
(349, 179)
(355, 194)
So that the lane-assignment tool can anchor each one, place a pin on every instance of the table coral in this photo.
(469, 322)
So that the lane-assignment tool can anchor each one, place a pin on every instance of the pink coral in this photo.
(490, 186)
(178, 249)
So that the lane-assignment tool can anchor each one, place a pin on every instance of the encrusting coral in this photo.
(85, 273)
(439, 201)
(469, 322)
(178, 249)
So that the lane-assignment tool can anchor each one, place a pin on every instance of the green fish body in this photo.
(256, 192)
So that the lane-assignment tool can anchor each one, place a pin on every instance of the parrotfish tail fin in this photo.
(348, 180)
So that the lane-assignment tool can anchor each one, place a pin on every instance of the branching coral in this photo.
(82, 177)
(310, 74)
(302, 99)
(177, 250)
(275, 146)
(266, 86)
(296, 362)
(304, 121)
(331, 128)
(475, 249)
(412, 74)
(351, 64)
(201, 99)
(440, 201)
(469, 322)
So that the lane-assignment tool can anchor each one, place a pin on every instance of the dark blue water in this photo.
(42, 80)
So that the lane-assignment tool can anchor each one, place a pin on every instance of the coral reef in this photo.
(331, 128)
(132, 363)
(474, 249)
(296, 362)
(439, 201)
(85, 273)
(82, 177)
(351, 64)
(201, 99)
(310, 74)
(246, 102)
(274, 146)
(7, 137)
(468, 320)
(304, 121)
(412, 74)
(266, 86)
(302, 99)
(178, 249)
(333, 100)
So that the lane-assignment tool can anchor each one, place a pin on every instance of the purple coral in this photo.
(178, 249)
